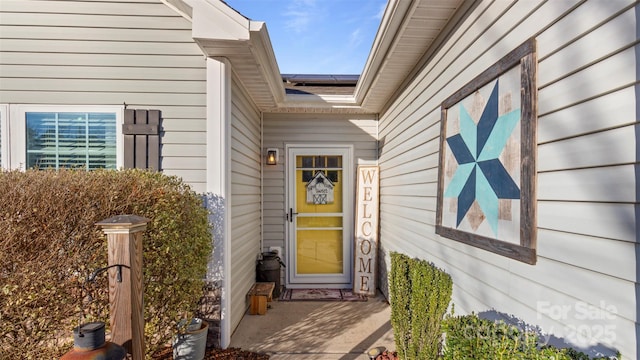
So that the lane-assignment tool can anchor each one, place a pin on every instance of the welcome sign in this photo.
(366, 233)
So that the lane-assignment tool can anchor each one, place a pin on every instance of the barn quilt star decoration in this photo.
(480, 175)
(486, 172)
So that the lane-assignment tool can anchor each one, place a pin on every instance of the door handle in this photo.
(290, 215)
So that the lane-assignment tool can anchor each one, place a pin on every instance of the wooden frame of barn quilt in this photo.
(487, 169)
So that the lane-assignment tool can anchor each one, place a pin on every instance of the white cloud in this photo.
(300, 14)
(355, 38)
(380, 13)
(310, 3)
(298, 20)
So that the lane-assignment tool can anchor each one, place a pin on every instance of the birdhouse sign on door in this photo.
(320, 190)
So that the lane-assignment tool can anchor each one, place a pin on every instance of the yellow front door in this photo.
(320, 222)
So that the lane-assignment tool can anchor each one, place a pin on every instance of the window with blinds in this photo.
(71, 140)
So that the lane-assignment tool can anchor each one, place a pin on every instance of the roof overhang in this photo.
(407, 31)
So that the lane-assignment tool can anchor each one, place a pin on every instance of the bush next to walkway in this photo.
(50, 244)
(419, 294)
(470, 337)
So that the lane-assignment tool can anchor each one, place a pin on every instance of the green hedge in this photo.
(50, 244)
(469, 337)
(419, 294)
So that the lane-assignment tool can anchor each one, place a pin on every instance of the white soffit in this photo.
(408, 29)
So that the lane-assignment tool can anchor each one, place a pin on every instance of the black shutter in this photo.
(141, 132)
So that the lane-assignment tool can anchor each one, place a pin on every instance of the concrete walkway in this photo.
(317, 330)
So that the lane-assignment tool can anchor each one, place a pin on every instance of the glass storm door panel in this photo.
(319, 217)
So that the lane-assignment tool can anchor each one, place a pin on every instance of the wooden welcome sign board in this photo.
(366, 233)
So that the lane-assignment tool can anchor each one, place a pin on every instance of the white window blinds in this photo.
(71, 140)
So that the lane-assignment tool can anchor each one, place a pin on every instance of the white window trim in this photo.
(4, 134)
(17, 130)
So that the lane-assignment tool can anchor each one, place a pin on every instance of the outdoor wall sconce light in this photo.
(272, 156)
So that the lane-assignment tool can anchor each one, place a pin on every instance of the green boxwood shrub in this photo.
(50, 244)
(470, 337)
(400, 299)
(419, 294)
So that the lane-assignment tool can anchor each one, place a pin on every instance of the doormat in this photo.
(320, 295)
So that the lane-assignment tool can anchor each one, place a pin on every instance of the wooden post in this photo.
(124, 237)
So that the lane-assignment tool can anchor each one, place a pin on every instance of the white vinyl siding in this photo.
(137, 54)
(587, 189)
(245, 208)
(286, 128)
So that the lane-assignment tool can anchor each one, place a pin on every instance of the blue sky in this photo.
(317, 36)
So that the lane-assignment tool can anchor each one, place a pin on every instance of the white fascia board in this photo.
(212, 19)
(392, 21)
(339, 99)
(319, 100)
(336, 102)
(262, 50)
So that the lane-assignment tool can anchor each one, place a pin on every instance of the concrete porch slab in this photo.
(317, 330)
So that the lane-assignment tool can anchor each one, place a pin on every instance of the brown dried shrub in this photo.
(49, 244)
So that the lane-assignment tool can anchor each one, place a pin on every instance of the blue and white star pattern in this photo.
(480, 179)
